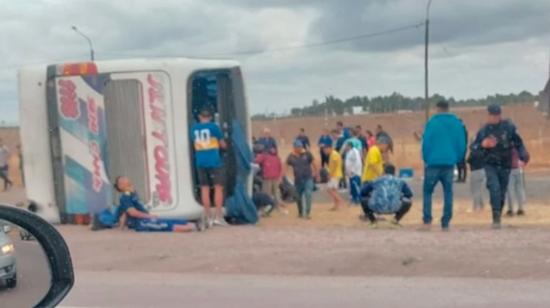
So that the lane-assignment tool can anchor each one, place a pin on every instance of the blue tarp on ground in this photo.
(239, 207)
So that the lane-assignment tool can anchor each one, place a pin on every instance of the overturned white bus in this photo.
(84, 124)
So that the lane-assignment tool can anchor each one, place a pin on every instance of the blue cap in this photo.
(494, 109)
(298, 144)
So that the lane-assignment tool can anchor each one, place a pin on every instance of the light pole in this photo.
(88, 39)
(426, 43)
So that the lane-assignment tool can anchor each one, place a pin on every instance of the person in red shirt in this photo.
(272, 171)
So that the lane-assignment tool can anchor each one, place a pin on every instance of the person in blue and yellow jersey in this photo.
(208, 141)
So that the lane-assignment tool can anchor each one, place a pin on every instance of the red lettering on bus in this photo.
(67, 98)
(162, 174)
(97, 182)
(93, 125)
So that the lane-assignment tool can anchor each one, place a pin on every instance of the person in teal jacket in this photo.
(443, 146)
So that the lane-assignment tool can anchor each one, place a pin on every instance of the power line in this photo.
(300, 46)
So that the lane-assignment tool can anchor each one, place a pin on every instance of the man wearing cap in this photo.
(207, 140)
(303, 167)
(496, 140)
(443, 146)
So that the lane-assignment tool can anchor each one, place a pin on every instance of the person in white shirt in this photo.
(4, 157)
(354, 170)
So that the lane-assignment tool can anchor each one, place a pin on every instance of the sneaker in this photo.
(510, 213)
(395, 223)
(220, 223)
(200, 225)
(496, 226)
(445, 229)
(210, 223)
(520, 213)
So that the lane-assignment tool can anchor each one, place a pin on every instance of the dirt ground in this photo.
(332, 243)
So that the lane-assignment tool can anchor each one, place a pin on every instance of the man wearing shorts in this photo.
(335, 168)
(132, 214)
(207, 141)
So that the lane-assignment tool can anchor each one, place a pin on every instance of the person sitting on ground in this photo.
(386, 195)
(132, 214)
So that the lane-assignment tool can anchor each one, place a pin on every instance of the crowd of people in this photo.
(360, 162)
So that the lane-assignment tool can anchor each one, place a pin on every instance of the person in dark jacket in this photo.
(496, 140)
(443, 146)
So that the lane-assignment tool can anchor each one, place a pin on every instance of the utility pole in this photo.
(88, 39)
(426, 51)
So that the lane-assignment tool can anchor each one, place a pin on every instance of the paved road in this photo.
(33, 276)
(125, 289)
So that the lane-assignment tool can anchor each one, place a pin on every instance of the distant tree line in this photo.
(395, 102)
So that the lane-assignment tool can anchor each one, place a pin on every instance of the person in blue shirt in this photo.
(132, 214)
(443, 146)
(302, 137)
(324, 140)
(267, 141)
(386, 195)
(208, 140)
(495, 141)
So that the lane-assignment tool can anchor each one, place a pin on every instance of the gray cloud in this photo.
(478, 47)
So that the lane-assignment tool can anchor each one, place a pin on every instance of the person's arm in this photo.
(122, 221)
(520, 147)
(285, 166)
(426, 139)
(476, 145)
(314, 166)
(366, 189)
(217, 132)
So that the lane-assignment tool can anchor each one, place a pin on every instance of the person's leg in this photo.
(218, 201)
(520, 191)
(356, 189)
(493, 185)
(183, 228)
(367, 211)
(511, 193)
(430, 180)
(308, 193)
(205, 199)
(504, 178)
(300, 192)
(405, 207)
(476, 180)
(446, 177)
(4, 176)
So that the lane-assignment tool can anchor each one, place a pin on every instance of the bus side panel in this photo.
(33, 121)
(162, 174)
(78, 143)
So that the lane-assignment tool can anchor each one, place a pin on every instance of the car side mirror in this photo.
(35, 264)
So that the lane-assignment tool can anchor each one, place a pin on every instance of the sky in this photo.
(477, 47)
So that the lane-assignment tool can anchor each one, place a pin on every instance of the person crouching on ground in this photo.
(132, 214)
(304, 168)
(386, 195)
(335, 174)
(272, 171)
